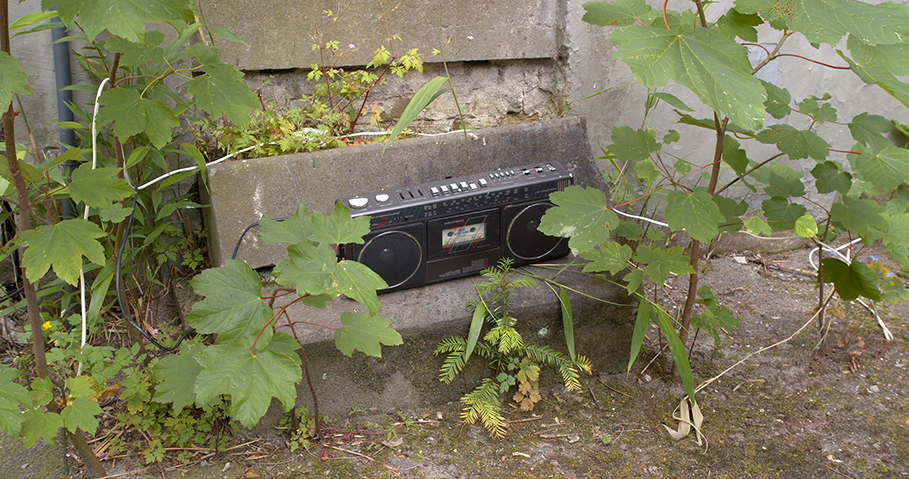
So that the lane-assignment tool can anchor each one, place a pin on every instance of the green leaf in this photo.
(133, 115)
(292, 230)
(818, 108)
(781, 180)
(781, 215)
(861, 216)
(696, 213)
(851, 280)
(885, 169)
(125, 18)
(869, 130)
(358, 282)
(734, 24)
(32, 19)
(178, 373)
(232, 307)
(831, 177)
(618, 13)
(671, 100)
(735, 156)
(795, 143)
(424, 96)
(612, 257)
(12, 396)
(661, 260)
(757, 226)
(227, 35)
(135, 54)
(676, 348)
(62, 247)
(12, 79)
(81, 414)
(581, 214)
(732, 212)
(80, 386)
(805, 226)
(476, 326)
(880, 65)
(221, 90)
(641, 324)
(365, 333)
(895, 239)
(713, 66)
(827, 21)
(39, 424)
(633, 145)
(339, 227)
(251, 380)
(99, 187)
(567, 322)
(633, 280)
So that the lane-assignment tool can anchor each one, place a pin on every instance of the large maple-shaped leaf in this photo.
(661, 260)
(732, 213)
(778, 99)
(611, 257)
(12, 396)
(851, 280)
(339, 227)
(781, 214)
(39, 424)
(618, 13)
(735, 24)
(221, 90)
(61, 246)
(179, 373)
(232, 307)
(830, 177)
(12, 79)
(365, 333)
(713, 66)
(861, 216)
(138, 54)
(132, 115)
(695, 213)
(358, 282)
(97, 188)
(781, 180)
(885, 169)
(827, 21)
(250, 379)
(795, 143)
(880, 65)
(292, 230)
(869, 130)
(633, 145)
(581, 214)
(896, 239)
(81, 414)
(125, 18)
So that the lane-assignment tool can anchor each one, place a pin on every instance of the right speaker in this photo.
(523, 241)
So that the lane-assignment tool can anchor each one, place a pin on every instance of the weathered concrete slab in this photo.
(41, 461)
(278, 33)
(240, 192)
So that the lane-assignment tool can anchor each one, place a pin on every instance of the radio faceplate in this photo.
(456, 227)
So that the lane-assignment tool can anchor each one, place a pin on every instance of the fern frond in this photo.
(547, 355)
(571, 377)
(447, 345)
(483, 403)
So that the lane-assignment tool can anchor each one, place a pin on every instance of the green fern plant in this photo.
(514, 363)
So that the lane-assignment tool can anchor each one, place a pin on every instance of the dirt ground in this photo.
(792, 411)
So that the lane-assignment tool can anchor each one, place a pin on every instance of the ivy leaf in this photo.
(133, 115)
(734, 24)
(12, 395)
(830, 177)
(232, 307)
(778, 99)
(861, 216)
(878, 65)
(827, 21)
(869, 130)
(62, 247)
(851, 280)
(805, 226)
(250, 379)
(221, 90)
(339, 227)
(633, 145)
(795, 143)
(366, 333)
(125, 18)
(661, 260)
(81, 414)
(619, 13)
(696, 213)
(757, 226)
(885, 169)
(99, 187)
(179, 373)
(39, 424)
(581, 214)
(612, 257)
(12, 79)
(713, 66)
(292, 230)
(781, 215)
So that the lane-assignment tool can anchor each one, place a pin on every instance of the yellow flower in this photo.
(46, 325)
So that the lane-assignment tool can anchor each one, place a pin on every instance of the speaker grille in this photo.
(523, 239)
(396, 256)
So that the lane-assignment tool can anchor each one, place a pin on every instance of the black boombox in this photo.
(457, 227)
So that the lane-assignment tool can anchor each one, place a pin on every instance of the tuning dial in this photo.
(358, 203)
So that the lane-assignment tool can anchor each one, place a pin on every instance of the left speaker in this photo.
(397, 255)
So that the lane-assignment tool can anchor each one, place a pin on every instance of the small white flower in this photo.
(469, 37)
(351, 46)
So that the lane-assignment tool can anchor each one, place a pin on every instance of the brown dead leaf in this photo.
(842, 341)
(250, 474)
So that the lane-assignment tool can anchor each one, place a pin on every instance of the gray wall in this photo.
(527, 60)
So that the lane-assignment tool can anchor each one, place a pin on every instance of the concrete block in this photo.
(278, 34)
(240, 192)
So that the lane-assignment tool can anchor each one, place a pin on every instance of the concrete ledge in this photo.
(240, 192)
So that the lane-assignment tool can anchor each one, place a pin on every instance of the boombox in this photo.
(457, 227)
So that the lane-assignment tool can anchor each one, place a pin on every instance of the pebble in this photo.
(874, 389)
